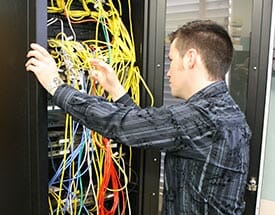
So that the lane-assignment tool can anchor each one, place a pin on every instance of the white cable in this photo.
(71, 27)
(90, 175)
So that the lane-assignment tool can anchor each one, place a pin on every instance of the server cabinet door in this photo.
(22, 116)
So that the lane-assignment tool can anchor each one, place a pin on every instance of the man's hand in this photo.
(106, 77)
(44, 67)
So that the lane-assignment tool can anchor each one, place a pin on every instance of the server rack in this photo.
(24, 116)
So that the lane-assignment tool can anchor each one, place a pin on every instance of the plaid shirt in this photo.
(206, 140)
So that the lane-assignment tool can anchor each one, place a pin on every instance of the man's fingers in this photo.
(94, 73)
(95, 64)
(38, 52)
(101, 67)
(30, 68)
(32, 61)
(94, 61)
(41, 49)
(99, 64)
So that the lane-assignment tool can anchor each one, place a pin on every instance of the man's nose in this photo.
(168, 73)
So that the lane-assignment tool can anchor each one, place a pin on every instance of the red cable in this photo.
(110, 177)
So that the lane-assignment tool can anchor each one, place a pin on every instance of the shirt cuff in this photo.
(125, 99)
(62, 94)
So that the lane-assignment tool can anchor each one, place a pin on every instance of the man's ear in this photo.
(190, 57)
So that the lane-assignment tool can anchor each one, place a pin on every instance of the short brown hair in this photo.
(212, 42)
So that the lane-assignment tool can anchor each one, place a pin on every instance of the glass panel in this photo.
(240, 28)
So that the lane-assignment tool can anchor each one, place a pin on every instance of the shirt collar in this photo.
(211, 90)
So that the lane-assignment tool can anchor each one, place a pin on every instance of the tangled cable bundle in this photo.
(91, 178)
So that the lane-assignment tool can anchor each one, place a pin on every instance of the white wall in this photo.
(268, 191)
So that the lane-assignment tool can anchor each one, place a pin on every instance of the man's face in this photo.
(177, 73)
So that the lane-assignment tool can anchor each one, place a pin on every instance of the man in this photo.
(205, 137)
